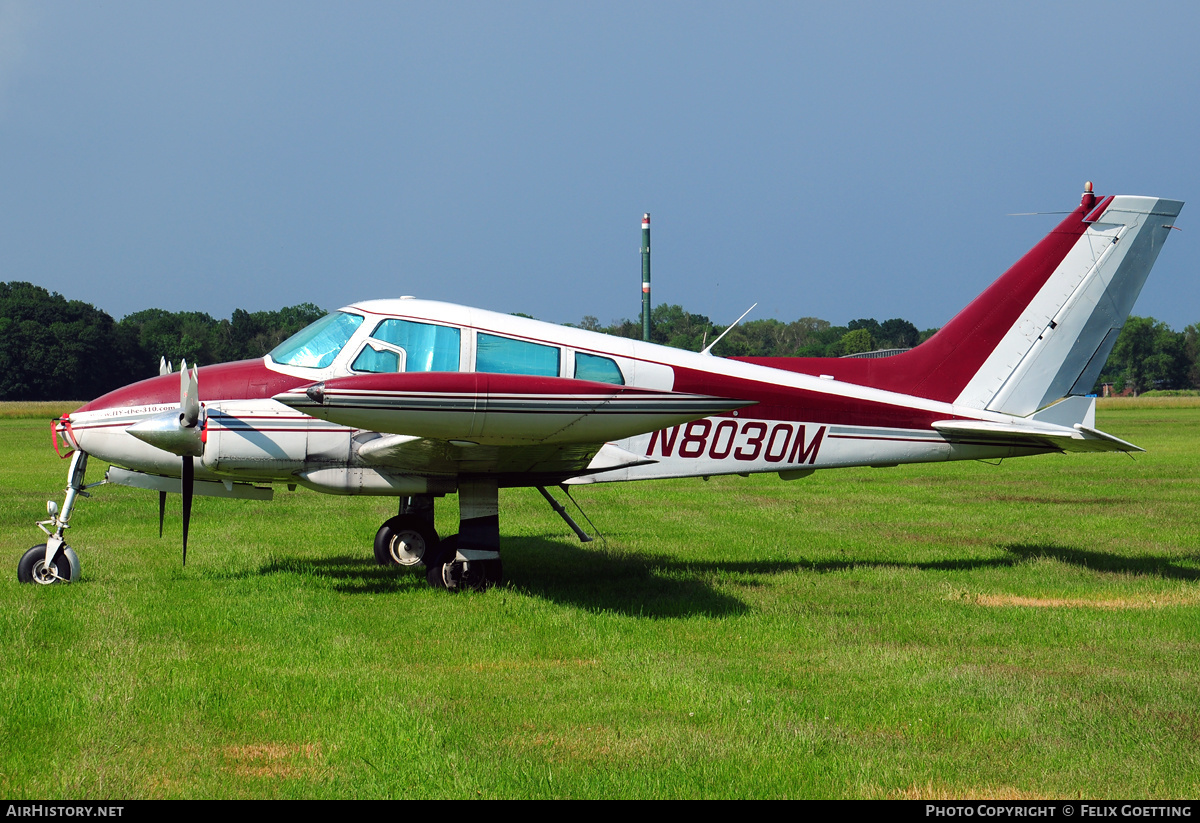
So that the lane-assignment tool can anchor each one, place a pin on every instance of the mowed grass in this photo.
(1023, 630)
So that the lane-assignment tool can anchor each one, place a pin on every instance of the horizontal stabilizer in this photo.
(1078, 438)
(1069, 426)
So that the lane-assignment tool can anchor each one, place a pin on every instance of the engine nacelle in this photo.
(362, 480)
(268, 440)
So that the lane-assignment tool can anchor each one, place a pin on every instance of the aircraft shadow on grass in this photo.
(1165, 566)
(660, 586)
(589, 577)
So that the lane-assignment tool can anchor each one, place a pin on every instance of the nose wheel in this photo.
(35, 568)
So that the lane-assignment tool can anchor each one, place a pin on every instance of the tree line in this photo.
(806, 337)
(52, 348)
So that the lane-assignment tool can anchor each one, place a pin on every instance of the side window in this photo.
(397, 345)
(502, 355)
(596, 368)
(377, 360)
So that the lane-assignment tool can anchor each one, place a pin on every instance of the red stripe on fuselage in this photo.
(243, 380)
(942, 366)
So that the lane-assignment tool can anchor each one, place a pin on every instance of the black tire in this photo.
(405, 540)
(435, 567)
(452, 575)
(493, 573)
(64, 568)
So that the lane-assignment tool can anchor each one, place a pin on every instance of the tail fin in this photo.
(1044, 329)
(1064, 333)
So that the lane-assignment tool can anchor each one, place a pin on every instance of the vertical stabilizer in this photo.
(1066, 331)
(1040, 332)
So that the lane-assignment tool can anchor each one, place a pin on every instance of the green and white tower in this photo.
(646, 277)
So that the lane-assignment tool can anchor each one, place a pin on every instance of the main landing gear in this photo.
(54, 561)
(467, 560)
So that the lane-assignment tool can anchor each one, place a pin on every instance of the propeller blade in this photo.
(189, 395)
(189, 475)
(162, 510)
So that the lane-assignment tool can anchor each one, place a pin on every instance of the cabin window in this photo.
(403, 345)
(428, 347)
(596, 368)
(316, 345)
(378, 360)
(503, 355)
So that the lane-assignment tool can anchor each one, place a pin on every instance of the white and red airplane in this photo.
(418, 399)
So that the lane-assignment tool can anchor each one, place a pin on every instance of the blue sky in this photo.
(828, 160)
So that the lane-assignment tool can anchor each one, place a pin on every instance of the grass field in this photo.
(1025, 630)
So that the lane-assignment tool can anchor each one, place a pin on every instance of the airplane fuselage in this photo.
(786, 422)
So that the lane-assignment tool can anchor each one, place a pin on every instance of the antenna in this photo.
(708, 349)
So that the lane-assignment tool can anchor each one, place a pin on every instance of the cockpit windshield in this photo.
(315, 346)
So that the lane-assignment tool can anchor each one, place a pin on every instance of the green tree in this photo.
(1147, 355)
(897, 334)
(672, 326)
(854, 341)
(55, 349)
(1191, 354)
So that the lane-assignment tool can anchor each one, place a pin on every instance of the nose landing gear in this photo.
(54, 561)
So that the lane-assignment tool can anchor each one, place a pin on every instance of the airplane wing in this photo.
(449, 423)
(420, 455)
(499, 409)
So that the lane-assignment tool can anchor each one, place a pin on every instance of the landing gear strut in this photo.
(471, 559)
(54, 561)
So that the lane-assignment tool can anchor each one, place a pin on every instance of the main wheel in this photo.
(493, 573)
(436, 563)
(454, 575)
(64, 568)
(405, 540)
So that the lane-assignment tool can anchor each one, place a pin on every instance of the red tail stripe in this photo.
(942, 366)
